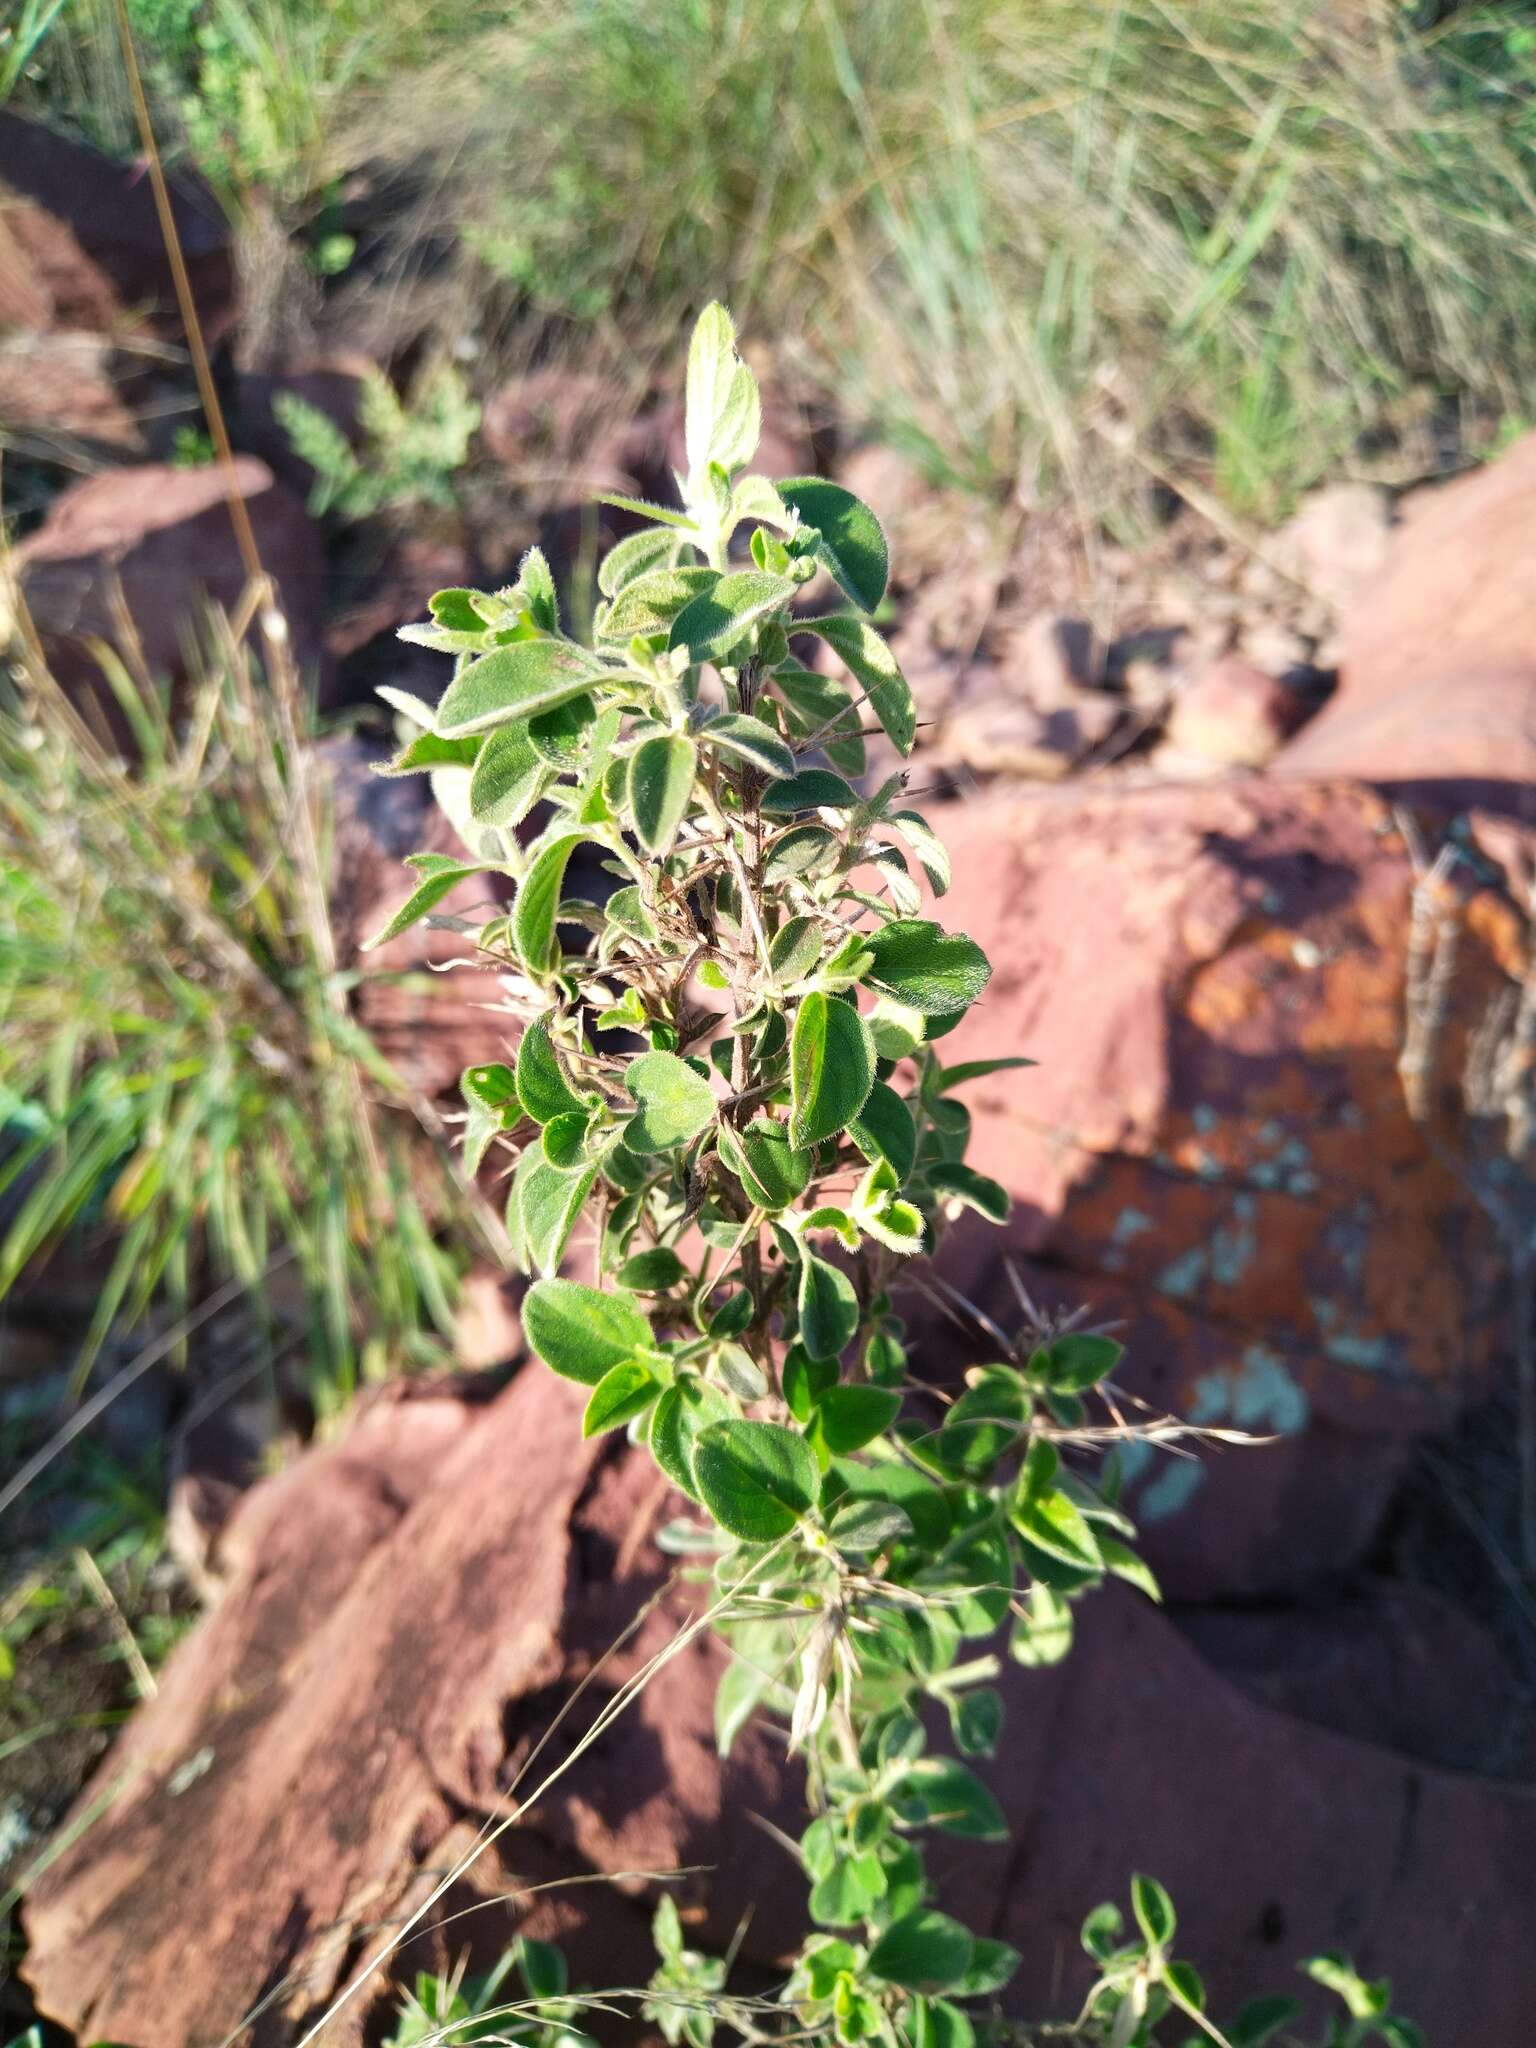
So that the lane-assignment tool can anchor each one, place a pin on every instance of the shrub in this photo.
(732, 1070)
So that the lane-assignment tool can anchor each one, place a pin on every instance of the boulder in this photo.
(1437, 654)
(409, 1612)
(163, 538)
(81, 247)
(1215, 1145)
(1235, 714)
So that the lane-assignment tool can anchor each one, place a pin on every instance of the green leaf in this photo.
(794, 950)
(829, 1312)
(636, 555)
(688, 1405)
(646, 508)
(946, 1795)
(493, 1087)
(972, 1190)
(852, 545)
(977, 1720)
(756, 1478)
(1154, 1910)
(424, 751)
(974, 1070)
(873, 666)
(820, 705)
(938, 2023)
(1103, 1932)
(865, 1526)
(849, 1417)
(924, 1951)
(536, 590)
(810, 789)
(675, 1102)
(723, 413)
(832, 1068)
(515, 682)
(651, 602)
(624, 1391)
(883, 1129)
(751, 741)
(1185, 1985)
(920, 965)
(1077, 1361)
(559, 736)
(444, 873)
(564, 1140)
(542, 1086)
(1260, 2020)
(1125, 1564)
(651, 1272)
(549, 1201)
(932, 853)
(541, 1966)
(538, 898)
(508, 778)
(804, 1380)
(1365, 2000)
(773, 1172)
(797, 851)
(1056, 1525)
(718, 620)
(581, 1333)
(993, 1964)
(661, 775)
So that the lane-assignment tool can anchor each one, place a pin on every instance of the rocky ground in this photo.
(1279, 1127)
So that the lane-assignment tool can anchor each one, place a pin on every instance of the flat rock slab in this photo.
(409, 1609)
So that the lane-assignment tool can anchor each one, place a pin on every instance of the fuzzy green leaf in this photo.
(718, 620)
(944, 1794)
(756, 1478)
(581, 1333)
(773, 1172)
(508, 778)
(549, 1201)
(538, 898)
(624, 1391)
(634, 556)
(924, 1951)
(515, 682)
(661, 775)
(651, 602)
(852, 544)
(426, 896)
(972, 1190)
(919, 964)
(723, 415)
(812, 789)
(849, 1417)
(675, 1102)
(873, 666)
(751, 741)
(883, 1129)
(542, 1086)
(832, 1068)
(688, 1405)
(828, 1309)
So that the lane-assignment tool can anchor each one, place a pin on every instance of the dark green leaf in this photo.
(848, 1417)
(508, 777)
(651, 602)
(829, 1315)
(811, 789)
(1077, 1361)
(920, 965)
(1056, 1525)
(773, 1172)
(873, 666)
(538, 898)
(564, 1140)
(751, 741)
(925, 1951)
(542, 1086)
(651, 1272)
(1154, 1910)
(794, 949)
(756, 1478)
(852, 544)
(832, 1068)
(688, 1406)
(972, 1190)
(945, 1794)
(883, 1129)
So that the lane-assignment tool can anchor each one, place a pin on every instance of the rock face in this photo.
(81, 248)
(409, 1609)
(1437, 670)
(1215, 1143)
(164, 537)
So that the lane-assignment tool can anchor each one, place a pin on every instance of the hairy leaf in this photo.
(675, 1102)
(873, 666)
(580, 1332)
(756, 1478)
(515, 682)
(919, 964)
(852, 544)
(832, 1068)
(661, 775)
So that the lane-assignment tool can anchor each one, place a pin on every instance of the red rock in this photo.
(81, 248)
(1336, 540)
(1215, 1144)
(1235, 714)
(1437, 663)
(163, 537)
